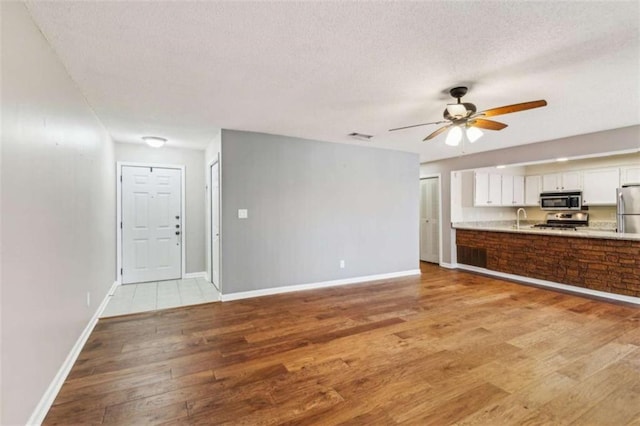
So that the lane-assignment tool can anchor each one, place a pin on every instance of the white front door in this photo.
(151, 224)
(215, 225)
(429, 220)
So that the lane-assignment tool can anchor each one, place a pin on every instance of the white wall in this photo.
(626, 138)
(194, 222)
(58, 198)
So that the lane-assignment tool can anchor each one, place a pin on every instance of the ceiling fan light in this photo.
(473, 134)
(457, 110)
(454, 136)
(154, 141)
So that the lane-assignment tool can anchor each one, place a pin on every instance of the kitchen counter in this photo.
(585, 232)
(598, 260)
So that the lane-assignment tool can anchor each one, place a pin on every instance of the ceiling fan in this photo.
(463, 115)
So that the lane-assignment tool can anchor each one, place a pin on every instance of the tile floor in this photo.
(134, 298)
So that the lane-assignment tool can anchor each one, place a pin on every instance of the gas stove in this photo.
(565, 221)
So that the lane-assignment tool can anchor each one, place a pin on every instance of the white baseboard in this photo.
(448, 265)
(551, 284)
(313, 286)
(202, 274)
(112, 291)
(41, 410)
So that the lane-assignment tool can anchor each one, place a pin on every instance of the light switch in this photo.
(243, 213)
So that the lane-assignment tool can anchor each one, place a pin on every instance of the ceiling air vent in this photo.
(360, 136)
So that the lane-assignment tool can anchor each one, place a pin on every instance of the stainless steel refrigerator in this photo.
(628, 217)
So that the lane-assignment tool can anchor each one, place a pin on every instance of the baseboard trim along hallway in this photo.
(41, 410)
(313, 286)
(202, 274)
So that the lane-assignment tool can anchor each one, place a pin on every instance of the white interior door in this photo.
(151, 224)
(215, 224)
(429, 220)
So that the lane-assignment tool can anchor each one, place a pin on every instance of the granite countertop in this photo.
(602, 230)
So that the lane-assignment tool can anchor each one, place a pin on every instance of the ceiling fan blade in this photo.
(437, 132)
(508, 109)
(418, 125)
(487, 124)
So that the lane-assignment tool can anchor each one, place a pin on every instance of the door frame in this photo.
(439, 177)
(210, 164)
(183, 231)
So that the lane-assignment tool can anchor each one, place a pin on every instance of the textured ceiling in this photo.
(321, 70)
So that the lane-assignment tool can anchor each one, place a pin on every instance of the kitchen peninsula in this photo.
(598, 260)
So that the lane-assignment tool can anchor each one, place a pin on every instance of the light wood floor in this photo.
(446, 347)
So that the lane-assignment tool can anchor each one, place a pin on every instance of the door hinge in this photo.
(151, 169)
(120, 178)
(120, 271)
(120, 225)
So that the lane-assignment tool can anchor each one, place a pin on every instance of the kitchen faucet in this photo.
(518, 216)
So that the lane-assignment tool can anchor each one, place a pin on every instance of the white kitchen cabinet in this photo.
(512, 190)
(507, 190)
(487, 189)
(629, 174)
(532, 190)
(599, 186)
(567, 181)
(518, 190)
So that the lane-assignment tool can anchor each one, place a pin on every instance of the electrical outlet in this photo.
(88, 299)
(342, 264)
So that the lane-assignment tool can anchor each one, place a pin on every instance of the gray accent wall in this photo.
(311, 204)
(626, 138)
(195, 189)
(58, 214)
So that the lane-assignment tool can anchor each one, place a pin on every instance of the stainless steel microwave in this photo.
(561, 200)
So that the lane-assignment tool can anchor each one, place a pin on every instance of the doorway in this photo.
(150, 243)
(430, 219)
(214, 176)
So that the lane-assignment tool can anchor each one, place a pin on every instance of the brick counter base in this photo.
(599, 264)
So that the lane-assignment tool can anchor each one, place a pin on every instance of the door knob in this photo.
(177, 232)
(177, 226)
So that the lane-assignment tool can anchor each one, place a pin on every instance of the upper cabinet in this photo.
(518, 190)
(487, 189)
(493, 189)
(512, 190)
(568, 181)
(517, 186)
(629, 174)
(600, 186)
(532, 190)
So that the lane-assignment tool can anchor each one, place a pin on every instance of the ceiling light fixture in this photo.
(154, 141)
(454, 136)
(501, 166)
(562, 159)
(473, 134)
(457, 111)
